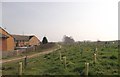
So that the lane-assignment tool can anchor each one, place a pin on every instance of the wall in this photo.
(10, 40)
(34, 41)
(4, 44)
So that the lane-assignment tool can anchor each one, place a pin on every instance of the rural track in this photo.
(30, 56)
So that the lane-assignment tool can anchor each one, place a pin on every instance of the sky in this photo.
(83, 20)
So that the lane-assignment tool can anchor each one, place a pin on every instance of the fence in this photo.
(19, 51)
(85, 71)
(87, 64)
(24, 50)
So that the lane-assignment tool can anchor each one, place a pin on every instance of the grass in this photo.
(50, 64)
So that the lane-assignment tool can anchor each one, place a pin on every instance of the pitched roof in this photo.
(21, 37)
(5, 31)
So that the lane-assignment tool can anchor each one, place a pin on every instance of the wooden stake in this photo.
(25, 61)
(94, 58)
(86, 68)
(60, 56)
(20, 68)
(64, 61)
(96, 49)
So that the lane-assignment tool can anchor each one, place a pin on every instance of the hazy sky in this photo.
(83, 20)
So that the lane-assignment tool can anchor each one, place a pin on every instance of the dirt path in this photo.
(30, 56)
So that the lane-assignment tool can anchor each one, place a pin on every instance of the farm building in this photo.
(6, 41)
(34, 41)
(23, 41)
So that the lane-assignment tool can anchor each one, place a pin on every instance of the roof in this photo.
(5, 31)
(22, 37)
(3, 36)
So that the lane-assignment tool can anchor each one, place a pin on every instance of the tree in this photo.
(44, 41)
(68, 40)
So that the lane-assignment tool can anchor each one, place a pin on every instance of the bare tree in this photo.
(68, 40)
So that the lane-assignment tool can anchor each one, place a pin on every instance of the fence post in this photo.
(25, 61)
(60, 56)
(64, 61)
(20, 68)
(86, 68)
(96, 49)
(94, 58)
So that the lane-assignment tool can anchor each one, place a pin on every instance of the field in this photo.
(76, 56)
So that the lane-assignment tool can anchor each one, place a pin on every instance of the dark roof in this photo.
(21, 37)
(3, 36)
(30, 37)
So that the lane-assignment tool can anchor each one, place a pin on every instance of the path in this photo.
(30, 56)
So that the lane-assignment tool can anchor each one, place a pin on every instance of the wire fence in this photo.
(85, 70)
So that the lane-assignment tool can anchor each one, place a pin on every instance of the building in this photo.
(6, 41)
(34, 41)
(24, 41)
(3, 42)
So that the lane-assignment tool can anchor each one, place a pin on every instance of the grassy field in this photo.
(76, 57)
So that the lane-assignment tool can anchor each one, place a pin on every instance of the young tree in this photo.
(44, 41)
